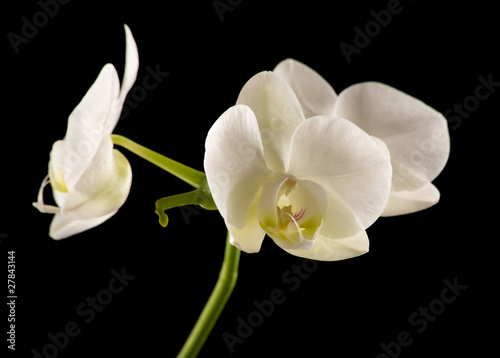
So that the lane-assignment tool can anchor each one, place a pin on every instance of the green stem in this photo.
(191, 176)
(215, 304)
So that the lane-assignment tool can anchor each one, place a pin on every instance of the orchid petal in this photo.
(234, 163)
(315, 95)
(346, 161)
(326, 249)
(63, 227)
(278, 113)
(407, 202)
(249, 238)
(340, 221)
(131, 64)
(129, 78)
(86, 126)
(416, 134)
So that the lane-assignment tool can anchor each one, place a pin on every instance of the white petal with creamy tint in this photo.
(131, 64)
(340, 221)
(315, 95)
(406, 202)
(345, 160)
(86, 125)
(278, 113)
(128, 80)
(248, 238)
(415, 134)
(234, 163)
(63, 227)
(326, 249)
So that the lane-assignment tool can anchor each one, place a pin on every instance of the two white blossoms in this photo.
(292, 159)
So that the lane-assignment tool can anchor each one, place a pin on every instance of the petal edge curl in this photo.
(234, 163)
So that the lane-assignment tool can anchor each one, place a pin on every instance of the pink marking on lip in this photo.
(299, 215)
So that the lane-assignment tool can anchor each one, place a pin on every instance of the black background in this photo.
(342, 309)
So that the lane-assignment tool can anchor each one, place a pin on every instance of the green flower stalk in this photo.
(197, 179)
(193, 177)
(200, 196)
(215, 304)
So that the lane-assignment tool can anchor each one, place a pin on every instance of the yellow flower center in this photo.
(285, 214)
(297, 213)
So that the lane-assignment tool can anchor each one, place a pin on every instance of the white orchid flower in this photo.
(415, 134)
(312, 185)
(90, 180)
